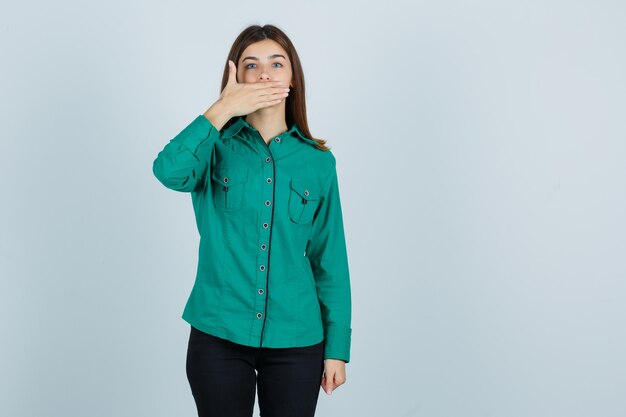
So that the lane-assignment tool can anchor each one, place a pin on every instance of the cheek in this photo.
(243, 76)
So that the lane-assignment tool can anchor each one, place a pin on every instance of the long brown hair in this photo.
(295, 106)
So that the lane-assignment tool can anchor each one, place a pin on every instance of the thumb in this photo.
(232, 72)
(328, 383)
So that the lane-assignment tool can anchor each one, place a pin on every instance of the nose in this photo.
(264, 76)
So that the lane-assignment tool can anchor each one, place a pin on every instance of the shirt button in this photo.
(262, 267)
(265, 225)
(261, 291)
(268, 159)
(225, 179)
(269, 180)
(306, 192)
(267, 202)
(259, 315)
(263, 246)
(277, 139)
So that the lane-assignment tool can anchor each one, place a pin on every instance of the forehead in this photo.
(263, 49)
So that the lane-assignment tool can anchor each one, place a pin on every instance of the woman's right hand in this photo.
(244, 98)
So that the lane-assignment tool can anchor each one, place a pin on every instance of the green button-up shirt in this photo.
(272, 263)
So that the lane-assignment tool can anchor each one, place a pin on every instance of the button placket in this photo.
(264, 244)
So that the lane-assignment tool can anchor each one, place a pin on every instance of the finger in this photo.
(270, 85)
(328, 383)
(339, 379)
(274, 95)
(271, 99)
(232, 72)
(267, 104)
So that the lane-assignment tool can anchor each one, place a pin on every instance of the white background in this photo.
(481, 152)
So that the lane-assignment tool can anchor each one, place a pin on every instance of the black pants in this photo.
(223, 379)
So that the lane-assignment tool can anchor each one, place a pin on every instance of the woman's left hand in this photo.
(334, 374)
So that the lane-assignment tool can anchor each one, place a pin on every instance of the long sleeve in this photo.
(183, 161)
(327, 253)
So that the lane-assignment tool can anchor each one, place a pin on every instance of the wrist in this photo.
(218, 114)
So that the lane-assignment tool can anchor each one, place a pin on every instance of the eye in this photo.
(278, 63)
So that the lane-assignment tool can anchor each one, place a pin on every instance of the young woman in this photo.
(271, 302)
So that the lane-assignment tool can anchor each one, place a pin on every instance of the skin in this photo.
(260, 62)
(257, 87)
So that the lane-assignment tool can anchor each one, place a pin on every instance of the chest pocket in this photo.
(229, 184)
(303, 200)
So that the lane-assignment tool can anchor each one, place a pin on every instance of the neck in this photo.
(269, 121)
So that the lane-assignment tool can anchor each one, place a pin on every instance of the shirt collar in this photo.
(239, 123)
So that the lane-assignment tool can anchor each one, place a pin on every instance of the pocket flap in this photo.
(305, 189)
(227, 175)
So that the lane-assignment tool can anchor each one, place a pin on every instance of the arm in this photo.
(183, 161)
(326, 250)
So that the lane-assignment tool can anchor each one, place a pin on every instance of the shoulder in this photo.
(324, 160)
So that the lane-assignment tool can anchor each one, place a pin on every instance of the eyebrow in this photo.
(269, 57)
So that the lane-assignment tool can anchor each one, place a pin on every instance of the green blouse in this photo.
(272, 262)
